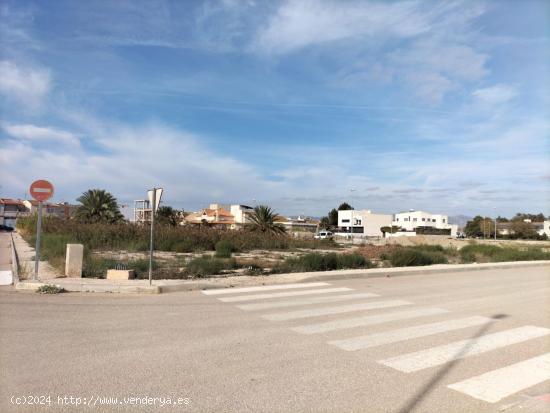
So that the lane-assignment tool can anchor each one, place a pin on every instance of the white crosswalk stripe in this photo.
(306, 301)
(408, 333)
(262, 288)
(490, 387)
(252, 297)
(498, 384)
(314, 312)
(367, 320)
(461, 349)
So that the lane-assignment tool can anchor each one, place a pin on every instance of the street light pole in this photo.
(352, 190)
(495, 224)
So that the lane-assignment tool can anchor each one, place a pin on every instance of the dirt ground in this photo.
(266, 259)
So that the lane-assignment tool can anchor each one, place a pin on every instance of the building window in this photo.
(397, 219)
(423, 219)
(433, 220)
(345, 220)
(406, 219)
(443, 220)
(414, 219)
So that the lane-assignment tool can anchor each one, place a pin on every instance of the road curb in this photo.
(90, 288)
(430, 269)
(106, 286)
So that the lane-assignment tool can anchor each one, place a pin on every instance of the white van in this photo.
(323, 235)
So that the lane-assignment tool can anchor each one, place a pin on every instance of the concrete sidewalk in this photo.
(165, 286)
(26, 256)
(6, 275)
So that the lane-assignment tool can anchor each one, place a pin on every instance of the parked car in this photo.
(323, 235)
(5, 228)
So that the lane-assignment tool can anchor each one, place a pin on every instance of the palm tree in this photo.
(98, 205)
(263, 220)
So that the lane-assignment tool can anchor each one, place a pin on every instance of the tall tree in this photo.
(473, 227)
(345, 207)
(263, 219)
(324, 223)
(166, 215)
(98, 205)
(522, 230)
(333, 217)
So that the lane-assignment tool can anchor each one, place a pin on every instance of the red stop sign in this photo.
(41, 190)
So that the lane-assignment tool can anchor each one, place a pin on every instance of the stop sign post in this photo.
(41, 191)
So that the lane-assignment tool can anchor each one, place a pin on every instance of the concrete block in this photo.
(6, 278)
(121, 274)
(73, 260)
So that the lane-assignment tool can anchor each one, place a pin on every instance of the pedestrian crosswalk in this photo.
(315, 312)
(305, 301)
(252, 297)
(461, 349)
(358, 310)
(402, 334)
(368, 320)
(497, 384)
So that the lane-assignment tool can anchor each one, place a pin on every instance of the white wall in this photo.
(365, 219)
(240, 213)
(412, 219)
(545, 229)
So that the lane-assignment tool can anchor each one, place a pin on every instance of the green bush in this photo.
(322, 262)
(131, 237)
(224, 249)
(494, 253)
(407, 257)
(50, 289)
(185, 245)
(96, 267)
(207, 265)
(428, 248)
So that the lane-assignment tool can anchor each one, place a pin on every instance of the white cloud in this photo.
(132, 159)
(29, 132)
(302, 23)
(495, 94)
(430, 86)
(448, 57)
(129, 159)
(24, 84)
(435, 67)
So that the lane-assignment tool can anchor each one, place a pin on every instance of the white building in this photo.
(363, 222)
(241, 214)
(411, 220)
(545, 229)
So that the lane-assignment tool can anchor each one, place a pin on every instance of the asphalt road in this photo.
(458, 342)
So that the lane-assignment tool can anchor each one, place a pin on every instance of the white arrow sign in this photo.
(158, 195)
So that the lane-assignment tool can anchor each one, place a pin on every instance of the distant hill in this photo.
(460, 220)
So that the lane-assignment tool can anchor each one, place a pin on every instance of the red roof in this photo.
(9, 201)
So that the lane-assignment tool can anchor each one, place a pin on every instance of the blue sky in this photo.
(435, 105)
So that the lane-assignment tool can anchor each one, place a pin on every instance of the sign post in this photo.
(154, 196)
(41, 191)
